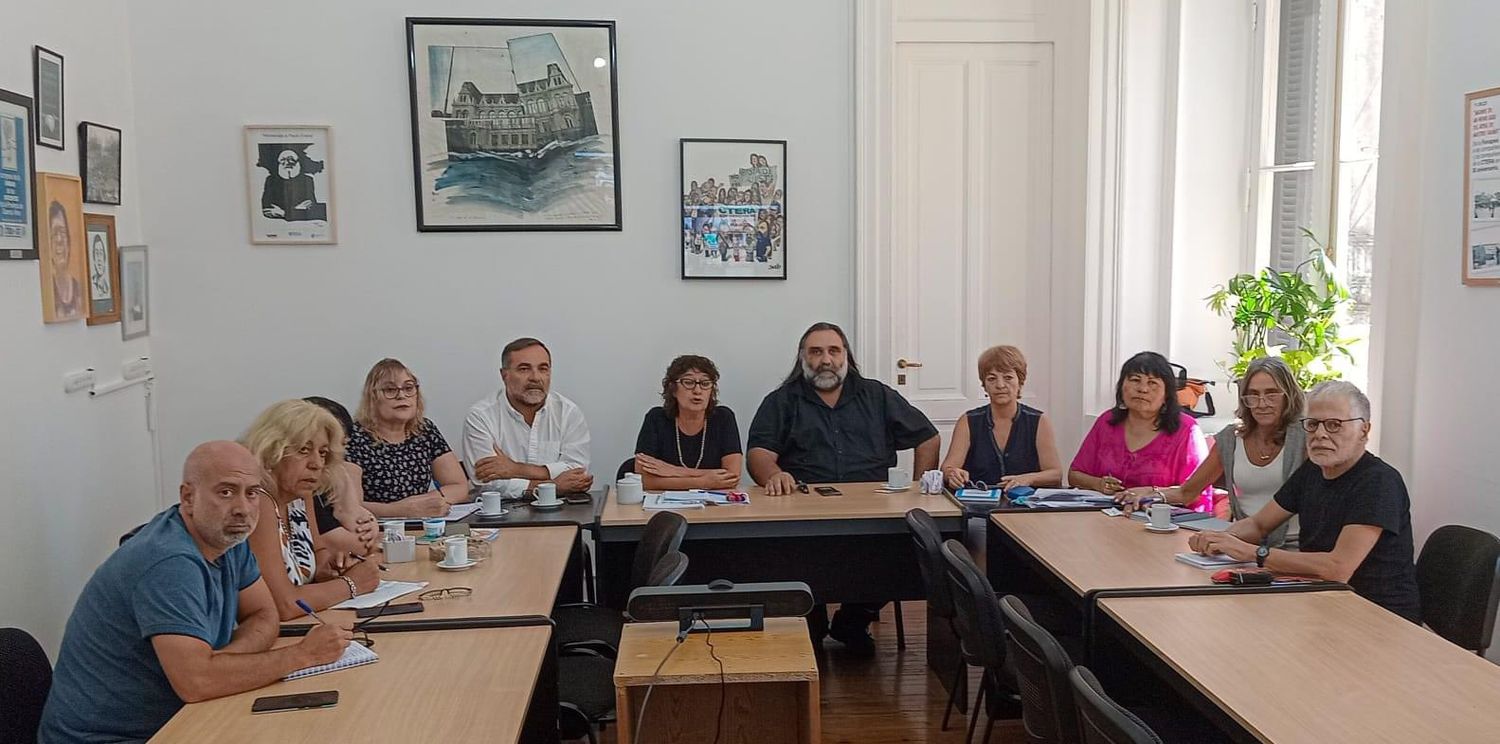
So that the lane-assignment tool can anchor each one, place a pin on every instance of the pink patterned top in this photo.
(1167, 460)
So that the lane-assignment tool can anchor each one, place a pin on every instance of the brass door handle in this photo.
(903, 363)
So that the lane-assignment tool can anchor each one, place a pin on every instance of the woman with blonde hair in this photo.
(406, 467)
(300, 445)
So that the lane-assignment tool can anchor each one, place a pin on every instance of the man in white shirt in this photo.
(525, 433)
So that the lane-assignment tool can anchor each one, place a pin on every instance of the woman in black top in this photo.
(1006, 443)
(690, 441)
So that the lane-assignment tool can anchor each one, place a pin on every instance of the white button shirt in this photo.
(558, 439)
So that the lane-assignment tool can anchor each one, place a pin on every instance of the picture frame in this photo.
(1480, 252)
(732, 208)
(47, 90)
(99, 147)
(18, 233)
(103, 261)
(135, 297)
(59, 207)
(289, 184)
(511, 129)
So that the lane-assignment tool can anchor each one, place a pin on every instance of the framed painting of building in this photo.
(515, 124)
(733, 215)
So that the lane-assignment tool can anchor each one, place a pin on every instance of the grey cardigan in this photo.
(1293, 451)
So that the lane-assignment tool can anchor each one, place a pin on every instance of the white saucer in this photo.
(548, 507)
(888, 489)
(1168, 528)
(460, 567)
(500, 513)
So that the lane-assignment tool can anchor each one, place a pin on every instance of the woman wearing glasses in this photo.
(689, 441)
(1006, 443)
(406, 467)
(1257, 453)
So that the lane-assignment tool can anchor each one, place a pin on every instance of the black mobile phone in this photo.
(388, 610)
(303, 701)
(828, 491)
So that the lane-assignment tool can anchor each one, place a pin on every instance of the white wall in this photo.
(238, 327)
(76, 471)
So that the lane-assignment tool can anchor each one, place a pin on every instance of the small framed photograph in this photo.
(135, 300)
(18, 235)
(733, 214)
(60, 218)
(104, 268)
(47, 78)
(290, 191)
(99, 163)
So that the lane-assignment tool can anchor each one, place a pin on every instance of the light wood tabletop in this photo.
(440, 686)
(521, 577)
(859, 501)
(1089, 551)
(1319, 667)
(780, 653)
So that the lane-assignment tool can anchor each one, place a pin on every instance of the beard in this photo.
(533, 396)
(228, 539)
(826, 377)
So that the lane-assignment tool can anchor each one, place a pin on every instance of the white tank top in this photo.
(1256, 485)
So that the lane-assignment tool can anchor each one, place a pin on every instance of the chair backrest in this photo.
(1102, 720)
(663, 534)
(1047, 709)
(25, 679)
(928, 542)
(976, 613)
(1458, 576)
(130, 534)
(669, 570)
(625, 468)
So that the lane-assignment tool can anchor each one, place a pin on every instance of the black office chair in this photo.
(1102, 720)
(1047, 710)
(599, 626)
(1458, 577)
(25, 679)
(980, 628)
(625, 468)
(928, 542)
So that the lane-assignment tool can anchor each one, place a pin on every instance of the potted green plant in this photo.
(1290, 314)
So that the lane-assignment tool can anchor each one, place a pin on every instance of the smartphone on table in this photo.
(828, 491)
(300, 701)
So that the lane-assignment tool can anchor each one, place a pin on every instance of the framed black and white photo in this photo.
(102, 256)
(515, 124)
(290, 189)
(18, 237)
(99, 162)
(47, 79)
(135, 298)
(733, 209)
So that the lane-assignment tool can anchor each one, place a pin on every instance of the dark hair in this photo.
(337, 409)
(1155, 365)
(524, 342)
(681, 366)
(57, 210)
(796, 373)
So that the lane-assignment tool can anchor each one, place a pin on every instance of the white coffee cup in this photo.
(629, 490)
(491, 503)
(402, 550)
(1161, 515)
(457, 551)
(546, 493)
(897, 478)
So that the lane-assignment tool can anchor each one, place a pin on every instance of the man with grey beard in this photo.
(827, 423)
(179, 613)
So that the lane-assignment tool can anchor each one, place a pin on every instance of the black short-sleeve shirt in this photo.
(395, 471)
(852, 441)
(1371, 493)
(659, 438)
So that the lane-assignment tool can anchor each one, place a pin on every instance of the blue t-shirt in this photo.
(108, 685)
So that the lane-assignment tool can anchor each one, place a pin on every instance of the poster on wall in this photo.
(290, 185)
(47, 79)
(514, 124)
(60, 217)
(135, 302)
(104, 268)
(1481, 248)
(17, 178)
(99, 162)
(733, 215)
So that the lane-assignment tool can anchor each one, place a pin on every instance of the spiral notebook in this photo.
(354, 655)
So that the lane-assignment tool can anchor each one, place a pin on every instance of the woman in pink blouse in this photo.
(1145, 443)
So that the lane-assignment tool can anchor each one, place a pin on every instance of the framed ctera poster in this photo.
(18, 235)
(733, 213)
(515, 124)
(290, 171)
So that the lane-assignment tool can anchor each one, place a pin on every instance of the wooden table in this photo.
(1088, 551)
(439, 686)
(1318, 667)
(770, 685)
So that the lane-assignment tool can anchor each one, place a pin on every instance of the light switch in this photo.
(81, 380)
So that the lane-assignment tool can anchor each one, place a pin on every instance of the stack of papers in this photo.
(387, 591)
(1211, 561)
(694, 499)
(1057, 498)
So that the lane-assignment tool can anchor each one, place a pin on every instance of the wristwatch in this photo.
(1260, 555)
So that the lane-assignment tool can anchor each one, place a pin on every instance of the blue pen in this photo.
(305, 607)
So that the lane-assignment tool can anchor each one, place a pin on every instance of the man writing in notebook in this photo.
(177, 614)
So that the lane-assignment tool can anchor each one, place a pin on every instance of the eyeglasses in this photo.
(686, 384)
(1332, 425)
(1254, 399)
(405, 391)
(454, 592)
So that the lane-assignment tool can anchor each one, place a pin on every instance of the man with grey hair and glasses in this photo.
(1353, 508)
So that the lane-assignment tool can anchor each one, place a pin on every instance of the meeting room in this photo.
(363, 359)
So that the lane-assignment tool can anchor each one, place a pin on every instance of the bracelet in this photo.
(353, 590)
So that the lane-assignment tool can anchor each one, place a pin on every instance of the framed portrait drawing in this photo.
(47, 79)
(733, 209)
(59, 207)
(1481, 247)
(514, 123)
(135, 300)
(99, 163)
(18, 235)
(103, 268)
(290, 171)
